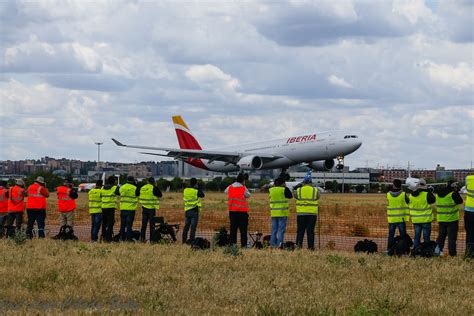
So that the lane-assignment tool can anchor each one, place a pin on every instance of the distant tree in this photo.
(52, 181)
(225, 183)
(177, 184)
(212, 185)
(359, 188)
(163, 184)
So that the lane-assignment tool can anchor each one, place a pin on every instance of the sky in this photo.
(400, 74)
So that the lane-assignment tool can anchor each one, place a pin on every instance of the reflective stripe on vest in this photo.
(65, 203)
(3, 200)
(16, 200)
(307, 200)
(469, 204)
(447, 210)
(109, 199)
(35, 199)
(279, 204)
(236, 199)
(128, 199)
(420, 211)
(147, 199)
(397, 208)
(95, 201)
(191, 199)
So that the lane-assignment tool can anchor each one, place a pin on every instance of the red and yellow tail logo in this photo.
(186, 139)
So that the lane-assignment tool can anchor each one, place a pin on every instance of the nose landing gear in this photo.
(340, 162)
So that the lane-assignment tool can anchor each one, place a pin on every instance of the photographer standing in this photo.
(192, 207)
(66, 202)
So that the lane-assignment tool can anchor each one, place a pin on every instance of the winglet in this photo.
(118, 143)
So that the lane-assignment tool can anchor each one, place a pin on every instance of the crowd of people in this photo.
(418, 206)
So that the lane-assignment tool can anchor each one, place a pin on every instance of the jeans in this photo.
(147, 217)
(96, 221)
(419, 228)
(108, 221)
(240, 221)
(449, 229)
(14, 217)
(305, 223)
(469, 226)
(126, 224)
(278, 231)
(192, 218)
(38, 216)
(392, 227)
(3, 221)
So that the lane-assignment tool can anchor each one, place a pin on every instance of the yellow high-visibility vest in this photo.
(109, 199)
(279, 204)
(469, 204)
(191, 199)
(147, 199)
(447, 209)
(397, 209)
(128, 199)
(95, 201)
(307, 200)
(420, 211)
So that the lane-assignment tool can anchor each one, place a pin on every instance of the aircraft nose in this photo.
(357, 144)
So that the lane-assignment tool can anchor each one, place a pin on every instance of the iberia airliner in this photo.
(317, 150)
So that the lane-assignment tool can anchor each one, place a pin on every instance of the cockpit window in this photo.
(350, 136)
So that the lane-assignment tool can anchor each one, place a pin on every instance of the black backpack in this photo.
(365, 246)
(401, 246)
(66, 232)
(222, 238)
(426, 250)
(200, 244)
(289, 245)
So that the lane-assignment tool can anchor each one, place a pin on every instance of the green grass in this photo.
(47, 276)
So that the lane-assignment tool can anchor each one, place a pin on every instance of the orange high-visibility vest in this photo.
(65, 203)
(16, 200)
(35, 199)
(3, 200)
(236, 199)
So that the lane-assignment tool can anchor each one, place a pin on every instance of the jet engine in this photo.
(250, 163)
(322, 165)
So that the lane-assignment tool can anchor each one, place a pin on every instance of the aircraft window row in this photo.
(350, 136)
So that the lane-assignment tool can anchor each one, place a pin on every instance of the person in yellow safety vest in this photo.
(149, 200)
(95, 209)
(109, 201)
(192, 206)
(397, 212)
(421, 213)
(447, 206)
(469, 215)
(128, 193)
(280, 197)
(307, 209)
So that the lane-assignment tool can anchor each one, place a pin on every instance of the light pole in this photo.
(98, 154)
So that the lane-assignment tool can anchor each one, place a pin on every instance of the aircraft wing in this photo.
(226, 156)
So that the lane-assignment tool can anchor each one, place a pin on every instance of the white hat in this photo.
(40, 180)
(19, 182)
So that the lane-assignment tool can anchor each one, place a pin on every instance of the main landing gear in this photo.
(340, 162)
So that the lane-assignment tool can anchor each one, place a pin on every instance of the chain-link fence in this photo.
(342, 220)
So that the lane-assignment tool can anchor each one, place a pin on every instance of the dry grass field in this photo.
(46, 277)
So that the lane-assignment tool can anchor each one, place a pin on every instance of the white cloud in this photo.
(340, 82)
(211, 75)
(460, 76)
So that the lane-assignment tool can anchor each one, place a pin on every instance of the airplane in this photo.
(411, 182)
(316, 150)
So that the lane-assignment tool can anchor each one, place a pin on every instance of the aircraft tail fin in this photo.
(186, 139)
